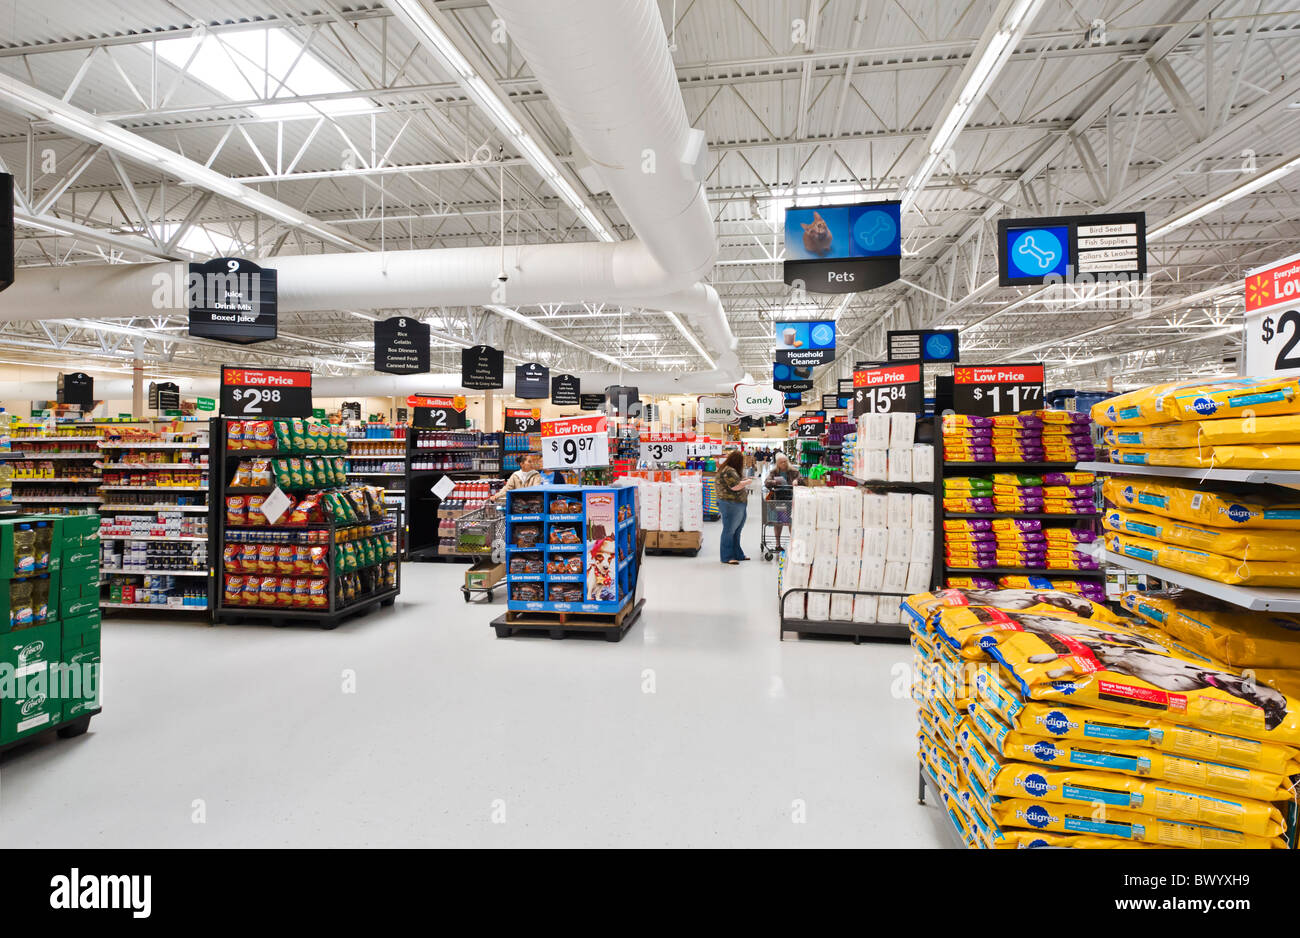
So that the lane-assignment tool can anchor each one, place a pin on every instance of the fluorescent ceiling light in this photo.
(840, 193)
(1254, 184)
(690, 337)
(254, 64)
(637, 337)
(533, 324)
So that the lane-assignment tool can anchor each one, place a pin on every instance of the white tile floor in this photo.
(456, 738)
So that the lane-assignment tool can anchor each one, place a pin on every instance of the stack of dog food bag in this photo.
(1232, 423)
(1048, 720)
(845, 538)
(1237, 539)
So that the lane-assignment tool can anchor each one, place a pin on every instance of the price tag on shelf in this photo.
(888, 389)
(666, 447)
(443, 487)
(260, 393)
(575, 443)
(993, 390)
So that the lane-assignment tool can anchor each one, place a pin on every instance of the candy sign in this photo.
(756, 400)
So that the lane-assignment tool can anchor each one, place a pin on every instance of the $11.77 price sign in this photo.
(666, 447)
(993, 390)
(576, 443)
(885, 390)
(261, 394)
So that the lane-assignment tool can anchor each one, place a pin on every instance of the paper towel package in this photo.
(850, 503)
(649, 502)
(819, 607)
(900, 465)
(923, 463)
(823, 573)
(889, 610)
(875, 513)
(799, 548)
(864, 608)
(918, 577)
(796, 606)
(873, 431)
(922, 545)
(847, 573)
(871, 577)
(826, 543)
(899, 545)
(875, 544)
(899, 510)
(922, 511)
(828, 509)
(902, 430)
(692, 506)
(850, 544)
(803, 509)
(841, 608)
(873, 466)
(895, 577)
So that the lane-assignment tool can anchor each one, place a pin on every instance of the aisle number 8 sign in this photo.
(576, 443)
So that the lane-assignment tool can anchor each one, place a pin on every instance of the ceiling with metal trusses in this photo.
(1161, 106)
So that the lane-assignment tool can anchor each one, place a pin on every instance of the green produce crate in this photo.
(26, 704)
(80, 674)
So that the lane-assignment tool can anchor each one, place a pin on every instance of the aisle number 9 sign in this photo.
(575, 443)
(888, 389)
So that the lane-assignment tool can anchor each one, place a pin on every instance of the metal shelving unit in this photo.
(1286, 477)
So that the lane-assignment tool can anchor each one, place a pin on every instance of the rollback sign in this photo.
(232, 300)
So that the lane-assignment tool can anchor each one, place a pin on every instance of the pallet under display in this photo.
(330, 554)
(571, 550)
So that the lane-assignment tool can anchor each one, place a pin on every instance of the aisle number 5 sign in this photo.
(575, 443)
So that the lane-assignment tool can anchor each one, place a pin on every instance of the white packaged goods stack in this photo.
(670, 506)
(692, 498)
(884, 450)
(649, 506)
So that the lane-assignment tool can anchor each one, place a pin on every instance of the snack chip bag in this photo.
(284, 558)
(283, 435)
(233, 591)
(232, 558)
(236, 510)
(284, 592)
(255, 515)
(235, 434)
(243, 475)
(268, 591)
(263, 437)
(301, 592)
(298, 435)
(266, 555)
(318, 597)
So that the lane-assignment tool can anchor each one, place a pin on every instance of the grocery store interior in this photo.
(650, 423)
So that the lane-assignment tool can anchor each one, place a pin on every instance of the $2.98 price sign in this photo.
(666, 447)
(992, 390)
(261, 394)
(575, 443)
(1274, 346)
(888, 389)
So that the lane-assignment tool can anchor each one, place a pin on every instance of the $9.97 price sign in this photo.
(888, 389)
(575, 443)
(666, 447)
(260, 393)
(991, 390)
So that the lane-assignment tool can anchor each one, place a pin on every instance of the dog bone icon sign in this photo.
(1045, 258)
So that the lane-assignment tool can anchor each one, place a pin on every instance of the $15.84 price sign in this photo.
(888, 389)
(261, 394)
(575, 443)
(992, 390)
(666, 447)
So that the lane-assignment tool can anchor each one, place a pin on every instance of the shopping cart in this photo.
(776, 511)
(481, 533)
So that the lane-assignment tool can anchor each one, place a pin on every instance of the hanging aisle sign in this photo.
(6, 230)
(566, 391)
(523, 420)
(437, 413)
(591, 401)
(666, 447)
(1273, 319)
(232, 300)
(532, 381)
(756, 400)
(715, 409)
(76, 388)
(991, 390)
(575, 443)
(1033, 252)
(888, 389)
(401, 346)
(843, 248)
(923, 345)
(482, 368)
(262, 393)
(805, 344)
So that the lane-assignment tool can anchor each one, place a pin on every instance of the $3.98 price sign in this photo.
(575, 443)
(666, 447)
(261, 394)
(888, 389)
(992, 390)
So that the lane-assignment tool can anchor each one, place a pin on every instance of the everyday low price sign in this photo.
(888, 389)
(992, 390)
(575, 443)
(1273, 319)
(666, 447)
(261, 393)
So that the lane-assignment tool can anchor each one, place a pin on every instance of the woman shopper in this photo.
(733, 503)
(780, 487)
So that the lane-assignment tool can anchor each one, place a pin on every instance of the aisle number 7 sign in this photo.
(575, 443)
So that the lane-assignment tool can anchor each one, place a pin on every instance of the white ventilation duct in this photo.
(619, 96)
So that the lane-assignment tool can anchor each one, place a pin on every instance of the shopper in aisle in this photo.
(780, 485)
(733, 502)
(526, 476)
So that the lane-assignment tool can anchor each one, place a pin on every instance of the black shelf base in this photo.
(323, 618)
(875, 631)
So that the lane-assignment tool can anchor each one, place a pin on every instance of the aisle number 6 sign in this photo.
(575, 443)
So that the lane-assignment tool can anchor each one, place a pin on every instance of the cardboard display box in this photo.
(675, 540)
(484, 575)
(31, 653)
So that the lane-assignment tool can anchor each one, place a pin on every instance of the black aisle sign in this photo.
(1072, 249)
(482, 368)
(350, 410)
(566, 390)
(843, 248)
(923, 345)
(623, 401)
(990, 390)
(591, 401)
(888, 389)
(232, 300)
(168, 396)
(830, 402)
(437, 413)
(262, 393)
(76, 388)
(522, 420)
(6, 230)
(401, 346)
(532, 381)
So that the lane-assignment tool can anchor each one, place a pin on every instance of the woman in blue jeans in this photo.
(733, 503)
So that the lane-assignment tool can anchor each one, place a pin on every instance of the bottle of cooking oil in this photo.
(43, 536)
(24, 550)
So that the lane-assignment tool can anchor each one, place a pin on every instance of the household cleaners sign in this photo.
(232, 300)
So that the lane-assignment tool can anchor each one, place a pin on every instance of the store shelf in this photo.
(1028, 515)
(1017, 466)
(20, 481)
(57, 440)
(162, 466)
(1256, 598)
(1024, 571)
(15, 455)
(925, 486)
(57, 500)
(151, 607)
(355, 472)
(195, 445)
(179, 489)
(138, 571)
(876, 630)
(150, 537)
(203, 509)
(1246, 476)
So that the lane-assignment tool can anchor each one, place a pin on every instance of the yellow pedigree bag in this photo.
(1037, 600)
(1061, 665)
(1240, 639)
(1230, 542)
(1134, 409)
(1103, 727)
(974, 630)
(1124, 825)
(1184, 458)
(1247, 431)
(1202, 563)
(1160, 800)
(1011, 839)
(978, 759)
(1198, 506)
(1200, 400)
(1278, 456)
(1149, 607)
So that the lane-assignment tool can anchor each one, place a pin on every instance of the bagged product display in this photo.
(1200, 400)
(1216, 567)
(1193, 504)
(1241, 543)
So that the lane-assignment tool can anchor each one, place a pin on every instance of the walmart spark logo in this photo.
(1259, 291)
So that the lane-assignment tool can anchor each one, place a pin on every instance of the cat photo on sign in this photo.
(817, 237)
(817, 233)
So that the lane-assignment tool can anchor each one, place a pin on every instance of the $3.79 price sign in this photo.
(885, 390)
(666, 447)
(575, 443)
(261, 394)
(992, 390)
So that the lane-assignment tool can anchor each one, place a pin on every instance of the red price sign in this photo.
(575, 443)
